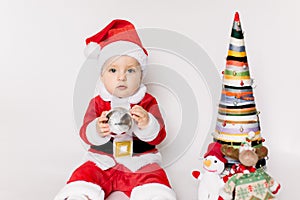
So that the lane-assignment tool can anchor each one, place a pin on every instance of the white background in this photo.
(41, 52)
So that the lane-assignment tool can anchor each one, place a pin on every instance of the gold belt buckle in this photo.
(122, 148)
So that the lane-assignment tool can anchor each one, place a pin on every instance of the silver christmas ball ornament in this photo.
(119, 120)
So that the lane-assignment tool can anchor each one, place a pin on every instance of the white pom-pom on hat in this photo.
(92, 50)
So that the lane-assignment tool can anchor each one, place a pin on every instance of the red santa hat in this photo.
(118, 38)
(214, 149)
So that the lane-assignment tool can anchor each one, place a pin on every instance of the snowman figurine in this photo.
(210, 181)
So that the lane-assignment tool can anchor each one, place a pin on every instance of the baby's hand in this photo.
(140, 115)
(102, 126)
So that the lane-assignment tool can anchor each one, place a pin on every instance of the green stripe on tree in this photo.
(237, 34)
(234, 73)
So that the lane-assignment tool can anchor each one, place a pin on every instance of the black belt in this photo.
(138, 147)
(253, 143)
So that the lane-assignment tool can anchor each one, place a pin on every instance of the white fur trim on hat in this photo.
(118, 48)
(80, 189)
(152, 191)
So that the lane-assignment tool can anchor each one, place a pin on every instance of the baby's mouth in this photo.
(122, 87)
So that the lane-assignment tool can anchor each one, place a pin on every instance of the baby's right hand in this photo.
(102, 125)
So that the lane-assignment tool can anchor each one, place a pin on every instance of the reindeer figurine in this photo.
(246, 182)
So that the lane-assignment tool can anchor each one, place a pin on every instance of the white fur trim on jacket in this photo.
(150, 132)
(106, 96)
(137, 162)
(133, 163)
(152, 191)
(102, 161)
(92, 135)
(80, 189)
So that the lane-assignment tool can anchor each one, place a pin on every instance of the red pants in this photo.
(119, 178)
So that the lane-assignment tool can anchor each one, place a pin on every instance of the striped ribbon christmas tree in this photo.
(237, 114)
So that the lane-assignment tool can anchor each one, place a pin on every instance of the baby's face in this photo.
(122, 76)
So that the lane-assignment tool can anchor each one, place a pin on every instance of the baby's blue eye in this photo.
(131, 70)
(113, 70)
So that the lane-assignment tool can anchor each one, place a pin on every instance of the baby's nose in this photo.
(122, 76)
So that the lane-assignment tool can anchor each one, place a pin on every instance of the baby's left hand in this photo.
(140, 115)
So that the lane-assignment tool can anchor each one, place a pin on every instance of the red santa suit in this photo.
(104, 172)
(137, 174)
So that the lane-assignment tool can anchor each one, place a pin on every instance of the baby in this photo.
(127, 162)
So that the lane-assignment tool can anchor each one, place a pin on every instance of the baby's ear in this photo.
(261, 152)
(230, 151)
